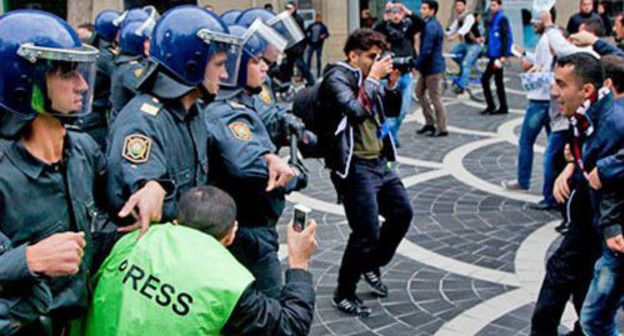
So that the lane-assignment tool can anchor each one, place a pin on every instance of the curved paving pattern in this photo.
(473, 259)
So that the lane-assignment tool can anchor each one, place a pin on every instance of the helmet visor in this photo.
(148, 26)
(64, 79)
(231, 47)
(286, 25)
(261, 41)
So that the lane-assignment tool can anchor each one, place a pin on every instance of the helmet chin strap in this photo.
(206, 95)
(253, 90)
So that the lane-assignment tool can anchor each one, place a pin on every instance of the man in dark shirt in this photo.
(400, 26)
(316, 34)
(587, 11)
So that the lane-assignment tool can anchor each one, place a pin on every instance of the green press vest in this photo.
(173, 281)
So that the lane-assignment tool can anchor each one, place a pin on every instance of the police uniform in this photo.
(124, 80)
(156, 140)
(38, 200)
(237, 142)
(95, 123)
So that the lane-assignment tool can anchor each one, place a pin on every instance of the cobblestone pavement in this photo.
(473, 259)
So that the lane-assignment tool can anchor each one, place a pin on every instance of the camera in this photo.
(403, 64)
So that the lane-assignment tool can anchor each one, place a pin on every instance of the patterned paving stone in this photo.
(498, 162)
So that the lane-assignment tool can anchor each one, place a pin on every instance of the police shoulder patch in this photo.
(138, 72)
(150, 109)
(136, 148)
(240, 130)
(236, 105)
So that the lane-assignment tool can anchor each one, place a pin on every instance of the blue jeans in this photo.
(318, 50)
(467, 55)
(535, 119)
(605, 296)
(554, 163)
(406, 85)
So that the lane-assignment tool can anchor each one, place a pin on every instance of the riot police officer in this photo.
(49, 211)
(157, 136)
(240, 151)
(278, 120)
(134, 39)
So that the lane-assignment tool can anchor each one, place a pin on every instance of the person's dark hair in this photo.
(462, 1)
(614, 70)
(587, 68)
(432, 5)
(499, 2)
(595, 26)
(207, 209)
(268, 6)
(363, 39)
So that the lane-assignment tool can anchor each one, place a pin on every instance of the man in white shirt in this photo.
(537, 82)
(465, 29)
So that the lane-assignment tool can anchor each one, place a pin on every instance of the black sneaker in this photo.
(373, 279)
(500, 111)
(487, 111)
(458, 90)
(426, 129)
(438, 134)
(544, 206)
(563, 228)
(353, 307)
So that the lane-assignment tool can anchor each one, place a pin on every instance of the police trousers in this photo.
(371, 189)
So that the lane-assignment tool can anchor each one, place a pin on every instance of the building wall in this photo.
(335, 14)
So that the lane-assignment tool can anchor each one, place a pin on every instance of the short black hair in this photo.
(499, 2)
(587, 68)
(363, 39)
(207, 209)
(595, 25)
(462, 1)
(614, 70)
(432, 5)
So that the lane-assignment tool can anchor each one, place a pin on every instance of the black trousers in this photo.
(370, 190)
(500, 86)
(569, 270)
(256, 248)
(288, 68)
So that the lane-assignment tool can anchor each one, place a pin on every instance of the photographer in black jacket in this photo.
(359, 151)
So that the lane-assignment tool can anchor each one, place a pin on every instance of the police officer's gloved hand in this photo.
(300, 181)
(294, 124)
(308, 145)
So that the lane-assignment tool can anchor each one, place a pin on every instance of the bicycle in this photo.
(451, 78)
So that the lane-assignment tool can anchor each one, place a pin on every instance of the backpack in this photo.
(307, 106)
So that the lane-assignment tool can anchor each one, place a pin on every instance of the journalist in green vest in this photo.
(182, 280)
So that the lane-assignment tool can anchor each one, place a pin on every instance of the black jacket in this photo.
(342, 110)
(257, 314)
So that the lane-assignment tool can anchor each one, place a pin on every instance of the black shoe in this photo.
(457, 90)
(543, 206)
(563, 228)
(353, 306)
(438, 134)
(426, 129)
(500, 111)
(487, 111)
(373, 279)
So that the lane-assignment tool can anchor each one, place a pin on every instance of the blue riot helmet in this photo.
(131, 15)
(131, 40)
(105, 27)
(283, 23)
(45, 69)
(259, 42)
(229, 17)
(186, 38)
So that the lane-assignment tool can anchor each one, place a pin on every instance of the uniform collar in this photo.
(27, 163)
(179, 112)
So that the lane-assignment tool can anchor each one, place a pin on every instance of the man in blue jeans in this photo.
(537, 82)
(400, 26)
(606, 292)
(467, 51)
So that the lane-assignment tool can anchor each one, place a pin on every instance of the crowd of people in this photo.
(141, 184)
